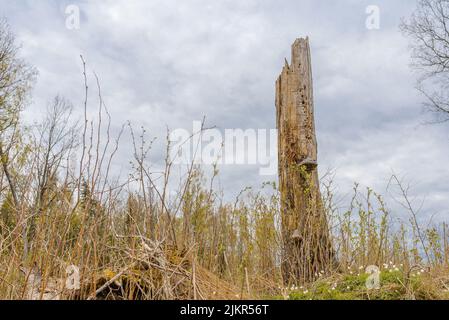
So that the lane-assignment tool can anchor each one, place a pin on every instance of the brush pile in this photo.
(154, 272)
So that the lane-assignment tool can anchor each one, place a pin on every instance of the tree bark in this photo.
(307, 247)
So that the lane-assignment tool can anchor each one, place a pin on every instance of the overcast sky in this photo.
(167, 63)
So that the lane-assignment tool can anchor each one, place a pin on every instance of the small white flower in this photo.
(306, 291)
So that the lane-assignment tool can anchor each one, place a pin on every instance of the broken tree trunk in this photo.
(307, 248)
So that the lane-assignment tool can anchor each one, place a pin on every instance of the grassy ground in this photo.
(395, 284)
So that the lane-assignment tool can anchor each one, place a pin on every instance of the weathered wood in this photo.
(307, 248)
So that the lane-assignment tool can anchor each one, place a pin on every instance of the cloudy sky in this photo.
(167, 63)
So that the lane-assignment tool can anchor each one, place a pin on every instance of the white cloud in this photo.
(169, 63)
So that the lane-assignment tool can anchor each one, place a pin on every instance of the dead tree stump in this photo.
(307, 247)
